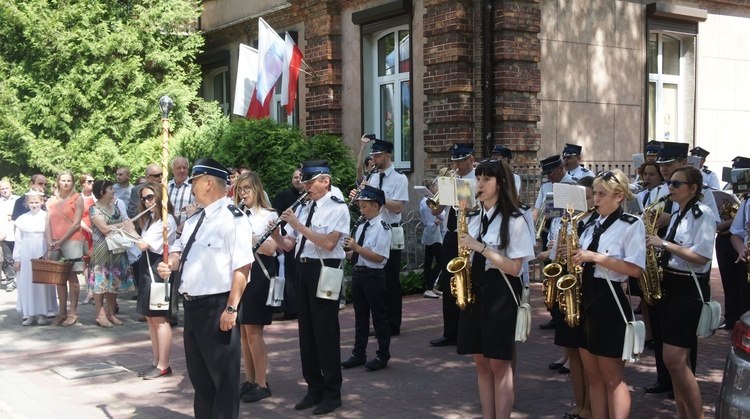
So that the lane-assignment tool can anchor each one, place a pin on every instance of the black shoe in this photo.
(157, 373)
(395, 332)
(371, 333)
(246, 387)
(556, 365)
(726, 326)
(307, 402)
(354, 361)
(327, 406)
(442, 341)
(549, 325)
(563, 370)
(376, 364)
(657, 388)
(146, 371)
(257, 393)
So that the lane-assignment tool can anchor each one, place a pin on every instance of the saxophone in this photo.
(554, 270)
(650, 279)
(460, 267)
(570, 284)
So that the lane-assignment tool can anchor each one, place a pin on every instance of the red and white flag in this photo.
(270, 67)
(292, 60)
(247, 76)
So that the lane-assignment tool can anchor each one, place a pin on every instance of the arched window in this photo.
(217, 90)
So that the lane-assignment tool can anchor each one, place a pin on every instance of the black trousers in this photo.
(731, 277)
(213, 358)
(291, 297)
(450, 309)
(432, 252)
(319, 341)
(368, 295)
(10, 273)
(393, 297)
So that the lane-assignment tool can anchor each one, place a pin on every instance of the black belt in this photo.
(683, 273)
(364, 268)
(189, 297)
(316, 260)
(394, 225)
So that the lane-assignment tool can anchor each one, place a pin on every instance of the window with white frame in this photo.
(387, 88)
(671, 78)
(216, 88)
(278, 112)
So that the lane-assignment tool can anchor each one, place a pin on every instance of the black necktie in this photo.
(646, 196)
(598, 231)
(452, 221)
(665, 255)
(380, 185)
(307, 224)
(360, 242)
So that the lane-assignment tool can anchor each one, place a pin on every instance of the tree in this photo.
(81, 81)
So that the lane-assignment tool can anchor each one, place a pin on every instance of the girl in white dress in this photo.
(35, 301)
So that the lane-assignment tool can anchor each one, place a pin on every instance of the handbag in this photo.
(397, 238)
(635, 330)
(275, 289)
(710, 313)
(329, 282)
(117, 242)
(523, 315)
(158, 298)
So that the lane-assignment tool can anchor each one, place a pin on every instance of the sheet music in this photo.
(423, 191)
(569, 195)
(456, 192)
(447, 191)
(638, 160)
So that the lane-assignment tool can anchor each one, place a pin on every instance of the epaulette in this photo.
(706, 171)
(472, 213)
(628, 218)
(524, 207)
(235, 211)
(696, 210)
(583, 169)
(386, 226)
(337, 200)
(516, 214)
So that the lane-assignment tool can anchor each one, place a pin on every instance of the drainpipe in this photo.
(488, 82)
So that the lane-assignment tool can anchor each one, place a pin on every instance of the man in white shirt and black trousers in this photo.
(317, 234)
(214, 261)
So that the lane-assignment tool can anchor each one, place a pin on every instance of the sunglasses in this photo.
(89, 181)
(607, 176)
(155, 175)
(677, 183)
(149, 197)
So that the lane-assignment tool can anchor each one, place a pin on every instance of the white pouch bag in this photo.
(523, 315)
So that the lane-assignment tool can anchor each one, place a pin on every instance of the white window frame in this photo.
(278, 112)
(660, 79)
(372, 83)
(210, 94)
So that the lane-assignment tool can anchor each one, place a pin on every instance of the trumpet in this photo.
(368, 174)
(540, 220)
(279, 223)
(433, 202)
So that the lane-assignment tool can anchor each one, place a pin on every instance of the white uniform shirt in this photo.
(622, 240)
(219, 249)
(696, 234)
(395, 187)
(521, 243)
(739, 225)
(329, 216)
(154, 234)
(547, 187)
(377, 239)
(710, 178)
(432, 233)
(580, 172)
(646, 197)
(259, 219)
(707, 200)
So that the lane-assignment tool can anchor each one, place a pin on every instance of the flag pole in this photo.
(166, 104)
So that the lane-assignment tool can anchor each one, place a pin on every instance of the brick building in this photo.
(606, 74)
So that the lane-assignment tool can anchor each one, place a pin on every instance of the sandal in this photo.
(104, 323)
(70, 320)
(59, 319)
(89, 298)
(115, 321)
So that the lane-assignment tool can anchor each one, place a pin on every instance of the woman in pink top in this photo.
(63, 233)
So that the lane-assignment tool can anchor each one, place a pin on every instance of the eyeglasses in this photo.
(89, 181)
(149, 197)
(246, 189)
(607, 176)
(156, 175)
(677, 183)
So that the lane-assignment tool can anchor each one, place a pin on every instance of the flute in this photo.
(279, 222)
(142, 213)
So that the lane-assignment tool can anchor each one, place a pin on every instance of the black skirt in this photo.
(680, 308)
(602, 328)
(565, 336)
(254, 308)
(144, 286)
(488, 326)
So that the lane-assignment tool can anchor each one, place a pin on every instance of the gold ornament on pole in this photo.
(166, 104)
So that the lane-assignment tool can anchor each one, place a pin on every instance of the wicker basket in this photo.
(50, 272)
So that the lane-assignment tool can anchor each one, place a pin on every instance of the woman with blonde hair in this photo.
(251, 199)
(63, 234)
(611, 250)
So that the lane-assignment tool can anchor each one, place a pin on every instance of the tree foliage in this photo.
(81, 81)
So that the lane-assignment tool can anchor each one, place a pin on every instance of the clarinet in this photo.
(279, 222)
(366, 179)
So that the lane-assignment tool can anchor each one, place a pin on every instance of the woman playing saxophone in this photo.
(487, 327)
(612, 249)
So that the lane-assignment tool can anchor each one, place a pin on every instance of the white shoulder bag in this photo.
(710, 313)
(635, 330)
(158, 298)
(523, 317)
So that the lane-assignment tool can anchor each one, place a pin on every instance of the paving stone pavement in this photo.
(420, 381)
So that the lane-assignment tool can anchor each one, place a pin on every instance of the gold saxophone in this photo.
(554, 270)
(460, 267)
(569, 285)
(650, 279)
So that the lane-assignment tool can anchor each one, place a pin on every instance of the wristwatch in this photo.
(664, 244)
(231, 309)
